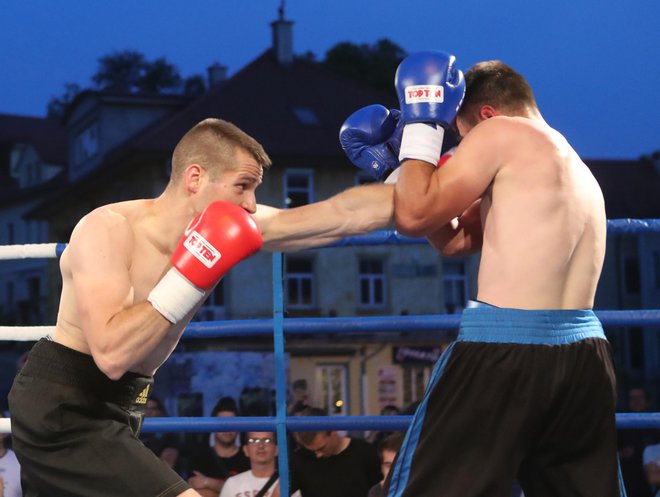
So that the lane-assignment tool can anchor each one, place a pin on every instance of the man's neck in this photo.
(263, 470)
(225, 450)
(171, 217)
(342, 444)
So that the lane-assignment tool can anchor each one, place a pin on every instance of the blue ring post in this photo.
(280, 374)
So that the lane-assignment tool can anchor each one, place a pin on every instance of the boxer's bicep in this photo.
(466, 176)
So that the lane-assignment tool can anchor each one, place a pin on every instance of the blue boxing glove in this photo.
(430, 90)
(371, 138)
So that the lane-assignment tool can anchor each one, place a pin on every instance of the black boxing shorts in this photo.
(75, 431)
(520, 395)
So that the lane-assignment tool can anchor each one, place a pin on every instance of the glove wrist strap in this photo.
(174, 296)
(422, 142)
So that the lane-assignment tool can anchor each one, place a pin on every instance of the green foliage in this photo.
(57, 105)
(194, 85)
(374, 65)
(129, 72)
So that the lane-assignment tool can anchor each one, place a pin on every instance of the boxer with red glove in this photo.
(218, 238)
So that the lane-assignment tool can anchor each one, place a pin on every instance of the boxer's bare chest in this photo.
(148, 264)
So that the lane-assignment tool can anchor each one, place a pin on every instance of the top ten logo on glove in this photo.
(425, 93)
(200, 247)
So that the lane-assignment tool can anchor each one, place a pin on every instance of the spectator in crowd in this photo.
(212, 465)
(299, 397)
(376, 437)
(651, 461)
(330, 465)
(631, 444)
(261, 449)
(10, 471)
(387, 451)
(167, 446)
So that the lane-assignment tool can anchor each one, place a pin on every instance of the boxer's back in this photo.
(544, 224)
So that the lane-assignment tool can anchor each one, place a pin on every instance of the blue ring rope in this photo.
(624, 420)
(437, 323)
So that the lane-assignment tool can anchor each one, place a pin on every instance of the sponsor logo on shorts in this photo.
(143, 396)
(200, 247)
(425, 94)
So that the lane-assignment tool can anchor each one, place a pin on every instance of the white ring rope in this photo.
(29, 251)
(25, 333)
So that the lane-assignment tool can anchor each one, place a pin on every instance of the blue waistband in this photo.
(485, 323)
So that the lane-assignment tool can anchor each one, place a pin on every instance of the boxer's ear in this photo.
(192, 177)
(486, 112)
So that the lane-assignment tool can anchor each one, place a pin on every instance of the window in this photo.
(34, 307)
(636, 348)
(300, 282)
(10, 295)
(631, 275)
(372, 283)
(332, 387)
(11, 233)
(415, 379)
(298, 187)
(86, 144)
(455, 287)
(656, 269)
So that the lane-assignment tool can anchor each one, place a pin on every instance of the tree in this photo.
(129, 72)
(194, 85)
(57, 105)
(157, 76)
(373, 65)
(120, 72)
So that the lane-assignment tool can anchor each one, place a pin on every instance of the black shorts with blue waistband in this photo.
(520, 395)
(75, 431)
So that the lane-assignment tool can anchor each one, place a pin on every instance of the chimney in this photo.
(217, 74)
(282, 38)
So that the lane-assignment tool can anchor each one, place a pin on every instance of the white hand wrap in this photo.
(174, 296)
(422, 142)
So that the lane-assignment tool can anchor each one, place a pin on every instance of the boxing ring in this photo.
(279, 327)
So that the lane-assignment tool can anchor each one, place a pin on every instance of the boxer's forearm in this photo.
(355, 211)
(413, 199)
(128, 338)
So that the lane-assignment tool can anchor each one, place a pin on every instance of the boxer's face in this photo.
(238, 184)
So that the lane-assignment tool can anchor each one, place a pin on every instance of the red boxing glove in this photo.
(217, 239)
(392, 178)
(446, 156)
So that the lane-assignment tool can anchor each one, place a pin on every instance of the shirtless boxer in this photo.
(131, 283)
(527, 391)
